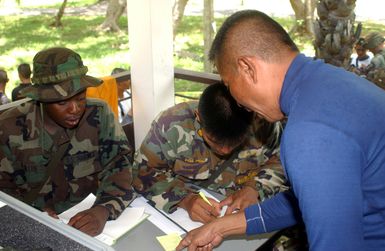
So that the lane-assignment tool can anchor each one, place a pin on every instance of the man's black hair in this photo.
(117, 70)
(24, 70)
(264, 37)
(221, 117)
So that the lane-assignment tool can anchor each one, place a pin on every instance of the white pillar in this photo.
(152, 68)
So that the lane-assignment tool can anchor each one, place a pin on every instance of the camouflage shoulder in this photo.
(22, 109)
(176, 114)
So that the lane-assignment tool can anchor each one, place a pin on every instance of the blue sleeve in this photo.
(323, 165)
(276, 213)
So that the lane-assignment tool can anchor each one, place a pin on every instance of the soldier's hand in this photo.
(199, 210)
(241, 199)
(90, 221)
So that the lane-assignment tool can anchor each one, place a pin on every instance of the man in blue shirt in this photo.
(332, 148)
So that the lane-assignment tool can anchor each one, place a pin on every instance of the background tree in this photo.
(208, 32)
(114, 11)
(304, 16)
(178, 8)
(59, 15)
(334, 31)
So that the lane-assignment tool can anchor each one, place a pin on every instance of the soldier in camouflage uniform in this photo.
(375, 72)
(80, 135)
(187, 144)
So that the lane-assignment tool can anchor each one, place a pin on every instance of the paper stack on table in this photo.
(113, 229)
(176, 222)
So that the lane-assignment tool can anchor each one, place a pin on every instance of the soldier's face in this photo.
(217, 147)
(67, 113)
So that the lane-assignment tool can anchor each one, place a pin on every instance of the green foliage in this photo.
(23, 36)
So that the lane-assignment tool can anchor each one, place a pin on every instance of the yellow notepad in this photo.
(170, 241)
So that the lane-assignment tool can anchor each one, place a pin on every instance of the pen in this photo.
(203, 196)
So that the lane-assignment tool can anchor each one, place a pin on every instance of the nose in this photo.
(74, 107)
(225, 150)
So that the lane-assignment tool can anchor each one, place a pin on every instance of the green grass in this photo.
(22, 37)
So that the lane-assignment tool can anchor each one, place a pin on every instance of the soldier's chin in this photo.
(222, 156)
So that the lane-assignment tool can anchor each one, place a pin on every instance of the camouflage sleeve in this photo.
(7, 160)
(153, 170)
(114, 191)
(269, 179)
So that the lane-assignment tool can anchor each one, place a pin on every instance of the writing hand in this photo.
(90, 221)
(200, 210)
(239, 200)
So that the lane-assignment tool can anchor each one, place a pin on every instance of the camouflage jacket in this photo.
(95, 160)
(173, 155)
(378, 60)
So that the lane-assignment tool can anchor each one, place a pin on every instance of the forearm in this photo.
(233, 224)
(273, 214)
(115, 190)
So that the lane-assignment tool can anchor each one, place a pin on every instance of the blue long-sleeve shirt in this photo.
(333, 152)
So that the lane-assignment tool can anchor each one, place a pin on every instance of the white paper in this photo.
(157, 218)
(180, 216)
(113, 229)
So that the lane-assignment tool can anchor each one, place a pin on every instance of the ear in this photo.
(197, 115)
(247, 67)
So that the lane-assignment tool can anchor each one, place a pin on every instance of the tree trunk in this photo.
(208, 32)
(115, 9)
(59, 15)
(177, 13)
(334, 31)
(304, 16)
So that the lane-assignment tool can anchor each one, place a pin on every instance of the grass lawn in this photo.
(23, 36)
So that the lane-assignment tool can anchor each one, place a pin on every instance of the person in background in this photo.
(212, 144)
(375, 44)
(124, 96)
(24, 71)
(59, 147)
(332, 147)
(360, 61)
(3, 82)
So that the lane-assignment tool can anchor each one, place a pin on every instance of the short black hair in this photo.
(221, 117)
(264, 37)
(117, 70)
(24, 70)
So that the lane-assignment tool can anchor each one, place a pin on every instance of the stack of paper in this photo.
(114, 229)
(177, 222)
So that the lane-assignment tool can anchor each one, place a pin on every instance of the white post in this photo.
(152, 68)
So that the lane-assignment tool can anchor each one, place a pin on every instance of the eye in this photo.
(62, 103)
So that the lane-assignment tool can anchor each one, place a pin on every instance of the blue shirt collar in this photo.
(290, 83)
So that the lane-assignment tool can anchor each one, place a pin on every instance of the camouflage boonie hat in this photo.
(58, 74)
(373, 40)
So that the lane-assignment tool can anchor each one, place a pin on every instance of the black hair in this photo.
(221, 117)
(117, 70)
(361, 42)
(264, 36)
(24, 70)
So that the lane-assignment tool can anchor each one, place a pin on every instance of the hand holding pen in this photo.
(200, 208)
